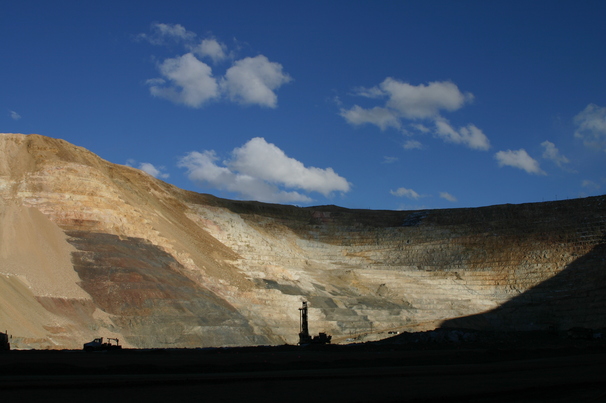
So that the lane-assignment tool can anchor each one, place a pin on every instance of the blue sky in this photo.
(362, 104)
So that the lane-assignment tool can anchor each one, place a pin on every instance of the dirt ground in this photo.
(362, 373)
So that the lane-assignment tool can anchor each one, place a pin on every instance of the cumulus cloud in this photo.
(519, 159)
(404, 102)
(417, 101)
(591, 126)
(259, 170)
(14, 115)
(550, 152)
(423, 101)
(190, 81)
(253, 80)
(403, 192)
(448, 196)
(203, 170)
(266, 161)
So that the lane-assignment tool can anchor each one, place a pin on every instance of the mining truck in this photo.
(5, 345)
(99, 345)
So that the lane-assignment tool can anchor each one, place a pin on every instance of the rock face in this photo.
(89, 248)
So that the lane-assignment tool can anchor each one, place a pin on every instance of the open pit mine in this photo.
(93, 249)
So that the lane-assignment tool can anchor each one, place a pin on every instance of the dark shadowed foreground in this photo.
(553, 370)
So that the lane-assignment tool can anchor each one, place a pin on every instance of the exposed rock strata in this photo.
(91, 248)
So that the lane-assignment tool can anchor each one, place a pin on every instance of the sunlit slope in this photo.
(93, 248)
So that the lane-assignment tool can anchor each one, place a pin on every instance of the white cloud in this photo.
(591, 126)
(469, 135)
(423, 101)
(417, 101)
(14, 115)
(403, 192)
(150, 169)
(413, 145)
(448, 196)
(252, 80)
(258, 170)
(550, 152)
(519, 159)
(163, 33)
(381, 117)
(404, 101)
(190, 81)
(203, 170)
(373, 92)
(265, 161)
(211, 48)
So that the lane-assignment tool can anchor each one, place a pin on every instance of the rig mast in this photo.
(304, 337)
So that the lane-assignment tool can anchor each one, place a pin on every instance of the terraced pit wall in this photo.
(93, 249)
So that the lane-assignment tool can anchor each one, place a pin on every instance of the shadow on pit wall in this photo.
(575, 297)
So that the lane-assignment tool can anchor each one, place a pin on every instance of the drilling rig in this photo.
(304, 337)
(4, 341)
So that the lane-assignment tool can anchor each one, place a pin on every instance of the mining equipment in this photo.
(99, 345)
(5, 345)
(304, 336)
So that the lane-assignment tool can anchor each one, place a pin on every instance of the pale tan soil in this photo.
(35, 249)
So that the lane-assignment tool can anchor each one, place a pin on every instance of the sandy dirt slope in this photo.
(35, 249)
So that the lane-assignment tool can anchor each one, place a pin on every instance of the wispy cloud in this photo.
(404, 192)
(470, 135)
(261, 171)
(591, 126)
(161, 34)
(412, 145)
(14, 115)
(381, 117)
(550, 152)
(519, 159)
(405, 103)
(189, 81)
(389, 160)
(448, 196)
(590, 184)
